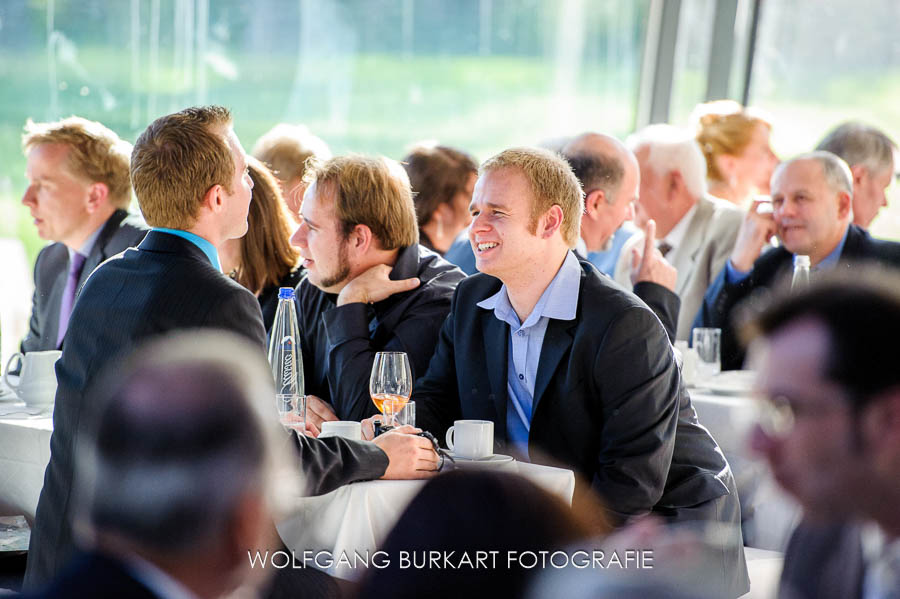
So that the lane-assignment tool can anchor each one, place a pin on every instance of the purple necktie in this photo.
(68, 299)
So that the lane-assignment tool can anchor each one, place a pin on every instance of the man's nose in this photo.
(299, 237)
(28, 196)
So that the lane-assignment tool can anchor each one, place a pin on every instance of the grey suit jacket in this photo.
(707, 243)
(51, 270)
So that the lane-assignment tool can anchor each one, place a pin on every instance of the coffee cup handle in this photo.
(19, 355)
(449, 438)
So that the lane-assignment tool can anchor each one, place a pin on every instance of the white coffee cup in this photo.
(347, 429)
(471, 439)
(37, 378)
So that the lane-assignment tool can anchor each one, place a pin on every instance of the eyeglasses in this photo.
(778, 414)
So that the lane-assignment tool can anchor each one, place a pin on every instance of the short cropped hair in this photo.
(834, 170)
(598, 171)
(552, 183)
(860, 310)
(857, 143)
(436, 175)
(724, 127)
(672, 149)
(371, 191)
(285, 148)
(176, 160)
(267, 255)
(178, 437)
(96, 153)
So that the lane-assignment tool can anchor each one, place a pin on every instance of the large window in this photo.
(365, 75)
(817, 66)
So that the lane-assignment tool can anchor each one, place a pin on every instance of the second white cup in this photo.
(347, 429)
(471, 439)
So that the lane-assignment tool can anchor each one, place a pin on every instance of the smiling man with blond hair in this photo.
(570, 367)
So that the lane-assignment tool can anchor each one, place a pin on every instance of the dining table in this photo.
(24, 453)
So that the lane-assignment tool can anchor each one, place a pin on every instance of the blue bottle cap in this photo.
(286, 293)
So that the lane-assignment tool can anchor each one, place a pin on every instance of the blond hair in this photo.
(96, 153)
(552, 183)
(267, 255)
(724, 127)
(176, 160)
(371, 191)
(286, 148)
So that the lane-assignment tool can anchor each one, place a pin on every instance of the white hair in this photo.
(672, 149)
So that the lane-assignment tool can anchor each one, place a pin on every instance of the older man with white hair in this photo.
(695, 232)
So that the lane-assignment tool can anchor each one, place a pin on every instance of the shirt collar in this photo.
(88, 245)
(831, 259)
(162, 585)
(559, 300)
(206, 246)
(676, 235)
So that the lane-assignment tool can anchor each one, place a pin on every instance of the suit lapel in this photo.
(557, 342)
(693, 239)
(496, 337)
(98, 252)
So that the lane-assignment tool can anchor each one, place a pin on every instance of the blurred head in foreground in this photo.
(827, 372)
(184, 468)
(466, 512)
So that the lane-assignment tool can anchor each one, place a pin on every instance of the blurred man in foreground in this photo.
(829, 376)
(179, 475)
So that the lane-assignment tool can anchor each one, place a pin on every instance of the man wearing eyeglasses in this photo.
(832, 435)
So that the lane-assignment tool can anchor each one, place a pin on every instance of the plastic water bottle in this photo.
(284, 346)
(800, 281)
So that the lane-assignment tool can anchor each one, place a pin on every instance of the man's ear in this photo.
(361, 239)
(845, 204)
(551, 222)
(98, 195)
(212, 199)
(676, 185)
(592, 203)
(859, 172)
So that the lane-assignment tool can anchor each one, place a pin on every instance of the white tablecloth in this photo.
(358, 517)
(24, 454)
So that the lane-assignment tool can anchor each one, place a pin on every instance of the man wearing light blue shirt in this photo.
(570, 367)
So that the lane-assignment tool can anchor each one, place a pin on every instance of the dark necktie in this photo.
(76, 265)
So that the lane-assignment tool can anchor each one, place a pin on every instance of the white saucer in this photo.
(730, 382)
(491, 461)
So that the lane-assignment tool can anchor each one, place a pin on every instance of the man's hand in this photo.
(756, 231)
(651, 266)
(368, 426)
(373, 286)
(317, 412)
(410, 456)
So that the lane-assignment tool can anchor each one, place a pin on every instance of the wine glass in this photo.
(390, 384)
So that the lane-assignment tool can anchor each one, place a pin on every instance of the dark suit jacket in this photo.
(608, 399)
(97, 576)
(774, 266)
(823, 562)
(51, 271)
(166, 284)
(339, 343)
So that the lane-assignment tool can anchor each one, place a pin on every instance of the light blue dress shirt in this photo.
(733, 275)
(559, 301)
(208, 248)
